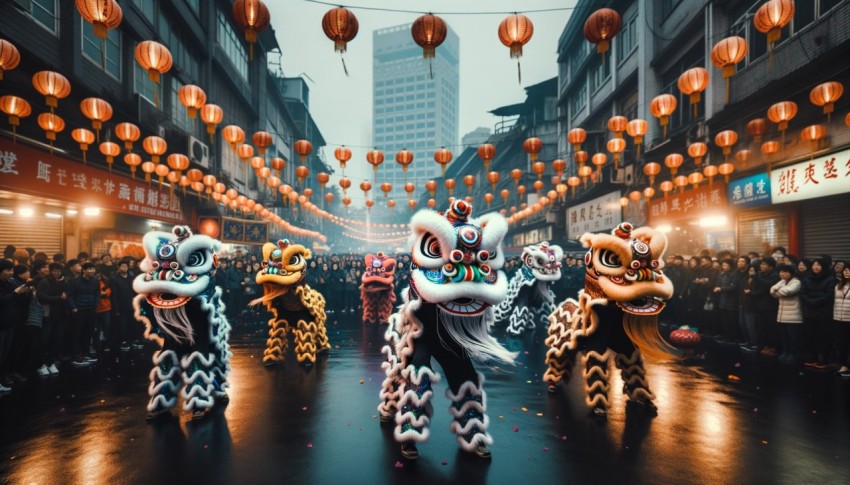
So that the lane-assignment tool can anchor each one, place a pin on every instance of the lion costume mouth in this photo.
(166, 300)
(464, 306)
(643, 306)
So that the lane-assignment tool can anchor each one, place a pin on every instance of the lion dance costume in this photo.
(447, 312)
(616, 313)
(182, 310)
(530, 297)
(377, 289)
(289, 299)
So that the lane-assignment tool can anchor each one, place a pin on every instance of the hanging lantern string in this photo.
(423, 12)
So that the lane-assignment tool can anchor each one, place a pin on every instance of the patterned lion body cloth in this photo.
(616, 314)
(447, 313)
(182, 311)
(530, 298)
(377, 290)
(289, 299)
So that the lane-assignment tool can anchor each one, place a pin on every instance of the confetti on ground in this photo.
(814, 411)
(737, 364)
(529, 382)
(444, 462)
(501, 417)
(309, 445)
(516, 429)
(399, 464)
(545, 449)
(564, 438)
(362, 381)
(524, 409)
(304, 408)
(733, 378)
(540, 414)
(102, 401)
(764, 442)
(206, 446)
(755, 410)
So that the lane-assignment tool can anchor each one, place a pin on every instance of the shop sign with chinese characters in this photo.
(752, 191)
(26, 170)
(690, 203)
(596, 215)
(820, 177)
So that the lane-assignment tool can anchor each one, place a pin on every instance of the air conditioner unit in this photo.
(624, 175)
(199, 152)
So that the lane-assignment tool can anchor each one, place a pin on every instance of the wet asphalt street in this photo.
(724, 417)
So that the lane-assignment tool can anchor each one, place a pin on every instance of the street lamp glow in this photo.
(713, 221)
(6, 211)
(71, 212)
(52, 215)
(665, 228)
(91, 211)
(26, 212)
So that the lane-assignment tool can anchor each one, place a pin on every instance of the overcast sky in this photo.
(342, 106)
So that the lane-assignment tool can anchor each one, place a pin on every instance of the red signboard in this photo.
(26, 170)
(705, 200)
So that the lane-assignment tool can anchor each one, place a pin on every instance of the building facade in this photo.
(208, 50)
(415, 102)
(659, 40)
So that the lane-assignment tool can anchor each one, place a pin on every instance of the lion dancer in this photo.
(530, 298)
(616, 314)
(182, 311)
(289, 298)
(446, 315)
(377, 289)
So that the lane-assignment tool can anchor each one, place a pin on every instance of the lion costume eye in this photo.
(197, 258)
(609, 259)
(295, 260)
(430, 247)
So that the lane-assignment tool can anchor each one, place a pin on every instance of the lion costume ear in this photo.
(307, 254)
(587, 239)
(369, 258)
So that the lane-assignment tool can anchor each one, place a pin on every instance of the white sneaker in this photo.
(42, 371)
(53, 369)
(4, 388)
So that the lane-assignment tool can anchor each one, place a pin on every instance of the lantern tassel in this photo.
(518, 72)
(430, 69)
(727, 90)
(344, 67)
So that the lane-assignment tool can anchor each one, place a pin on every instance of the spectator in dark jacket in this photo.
(747, 311)
(701, 295)
(817, 297)
(726, 291)
(53, 292)
(123, 327)
(233, 280)
(83, 296)
(766, 306)
(12, 298)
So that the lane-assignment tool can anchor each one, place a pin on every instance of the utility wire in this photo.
(423, 12)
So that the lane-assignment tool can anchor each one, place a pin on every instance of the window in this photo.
(667, 6)
(148, 10)
(684, 114)
(106, 54)
(230, 42)
(45, 12)
(600, 74)
(179, 113)
(627, 39)
(183, 58)
(579, 99)
(195, 5)
(145, 87)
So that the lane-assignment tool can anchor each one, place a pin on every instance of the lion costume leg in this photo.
(277, 343)
(469, 410)
(414, 406)
(521, 319)
(635, 384)
(596, 375)
(164, 382)
(305, 342)
(198, 381)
